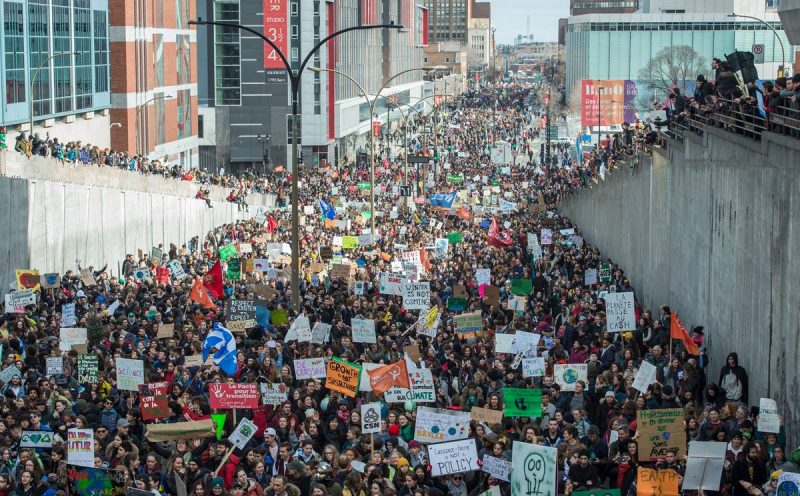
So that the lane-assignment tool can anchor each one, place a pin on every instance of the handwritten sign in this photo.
(154, 407)
(417, 295)
(650, 482)
(768, 418)
(453, 458)
(435, 425)
(273, 393)
(241, 311)
(88, 367)
(69, 336)
(533, 367)
(363, 331)
(487, 415)
(55, 366)
(342, 376)
(467, 325)
(130, 374)
(568, 374)
(309, 368)
(497, 467)
(36, 439)
(620, 314)
(659, 430)
(80, 447)
(391, 283)
(423, 389)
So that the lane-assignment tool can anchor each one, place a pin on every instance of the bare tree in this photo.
(671, 67)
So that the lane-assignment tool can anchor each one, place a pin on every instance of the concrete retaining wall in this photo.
(711, 227)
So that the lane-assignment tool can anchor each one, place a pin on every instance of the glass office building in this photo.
(55, 52)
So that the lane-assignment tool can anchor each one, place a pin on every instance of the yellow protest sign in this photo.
(349, 242)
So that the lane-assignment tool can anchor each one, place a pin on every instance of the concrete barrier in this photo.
(711, 227)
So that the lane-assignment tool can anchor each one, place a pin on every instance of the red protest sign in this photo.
(154, 407)
(155, 389)
(226, 396)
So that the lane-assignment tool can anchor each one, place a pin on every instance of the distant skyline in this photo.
(509, 17)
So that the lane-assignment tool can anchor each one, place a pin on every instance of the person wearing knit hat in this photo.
(217, 482)
(402, 462)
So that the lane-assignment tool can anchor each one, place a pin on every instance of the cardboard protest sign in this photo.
(645, 376)
(620, 315)
(370, 418)
(590, 277)
(88, 367)
(704, 465)
(342, 272)
(568, 374)
(453, 458)
(363, 331)
(391, 283)
(88, 278)
(412, 351)
(80, 447)
(241, 311)
(491, 295)
(468, 325)
(165, 331)
(243, 433)
(273, 393)
(320, 333)
(130, 374)
(309, 368)
(55, 366)
(768, 418)
(342, 376)
(486, 415)
(533, 367)
(155, 389)
(417, 295)
(349, 242)
(50, 281)
(497, 467)
(154, 407)
(68, 336)
(650, 482)
(233, 395)
(522, 402)
(36, 439)
(660, 430)
(181, 430)
(533, 470)
(435, 425)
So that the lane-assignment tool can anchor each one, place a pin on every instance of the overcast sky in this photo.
(510, 18)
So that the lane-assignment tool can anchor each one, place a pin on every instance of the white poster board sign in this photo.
(704, 465)
(620, 315)
(768, 418)
(497, 467)
(645, 376)
(370, 418)
(364, 331)
(453, 458)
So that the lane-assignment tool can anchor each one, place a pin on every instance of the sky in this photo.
(509, 17)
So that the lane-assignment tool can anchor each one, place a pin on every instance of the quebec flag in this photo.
(327, 210)
(221, 340)
(444, 200)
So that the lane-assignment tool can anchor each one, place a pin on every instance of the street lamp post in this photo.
(33, 80)
(784, 65)
(294, 81)
(371, 104)
(266, 141)
(140, 143)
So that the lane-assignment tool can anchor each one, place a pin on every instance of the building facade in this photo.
(479, 47)
(449, 20)
(55, 68)
(245, 101)
(581, 7)
(154, 79)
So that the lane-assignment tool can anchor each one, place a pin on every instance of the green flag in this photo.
(219, 421)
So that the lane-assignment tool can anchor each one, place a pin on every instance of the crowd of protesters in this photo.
(312, 444)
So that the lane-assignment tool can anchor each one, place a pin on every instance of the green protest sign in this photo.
(364, 185)
(605, 272)
(235, 269)
(456, 304)
(454, 237)
(522, 402)
(227, 251)
(597, 492)
(521, 286)
(455, 179)
(279, 317)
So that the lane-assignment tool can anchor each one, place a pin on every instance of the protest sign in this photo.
(660, 430)
(392, 284)
(590, 277)
(370, 418)
(417, 295)
(68, 336)
(7, 373)
(233, 395)
(349, 242)
(423, 389)
(112, 308)
(605, 272)
(162, 388)
(363, 331)
(165, 331)
(342, 272)
(620, 315)
(309, 368)
(453, 458)
(273, 393)
(486, 415)
(546, 236)
(497, 467)
(358, 288)
(227, 251)
(504, 343)
(241, 311)
(440, 248)
(243, 433)
(279, 317)
(567, 374)
(50, 281)
(788, 484)
(521, 286)
(533, 470)
(526, 343)
(522, 402)
(130, 374)
(483, 276)
(300, 330)
(645, 376)
(177, 270)
(468, 324)
(80, 447)
(456, 304)
(68, 317)
(320, 333)
(454, 238)
(260, 265)
(768, 418)
(428, 323)
(88, 367)
(435, 425)
(704, 465)
(90, 481)
(87, 278)
(154, 407)
(193, 361)
(55, 366)
(597, 492)
(650, 482)
(412, 351)
(396, 394)
(342, 376)
(533, 367)
(36, 439)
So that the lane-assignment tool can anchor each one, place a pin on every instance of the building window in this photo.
(226, 53)
(39, 35)
(295, 9)
(295, 31)
(14, 34)
(62, 65)
(100, 27)
(184, 56)
(158, 106)
(184, 114)
(200, 129)
(181, 14)
(82, 27)
(158, 59)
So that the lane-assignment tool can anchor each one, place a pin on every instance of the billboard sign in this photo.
(276, 25)
(611, 101)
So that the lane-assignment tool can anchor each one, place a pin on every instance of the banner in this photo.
(181, 430)
(417, 295)
(660, 430)
(650, 482)
(498, 468)
(533, 470)
(130, 374)
(567, 374)
(453, 458)
(363, 331)
(231, 395)
(443, 200)
(80, 447)
(370, 418)
(620, 314)
(342, 376)
(612, 105)
(522, 402)
(435, 425)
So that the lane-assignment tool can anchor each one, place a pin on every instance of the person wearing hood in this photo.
(733, 380)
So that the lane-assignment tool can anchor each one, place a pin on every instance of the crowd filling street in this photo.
(474, 344)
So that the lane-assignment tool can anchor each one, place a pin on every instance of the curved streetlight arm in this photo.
(777, 36)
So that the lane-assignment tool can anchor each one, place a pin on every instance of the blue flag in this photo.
(221, 342)
(444, 200)
(327, 210)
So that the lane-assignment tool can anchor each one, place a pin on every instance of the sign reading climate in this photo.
(614, 100)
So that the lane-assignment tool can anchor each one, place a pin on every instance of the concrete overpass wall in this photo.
(711, 227)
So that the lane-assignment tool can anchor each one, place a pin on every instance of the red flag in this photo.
(213, 280)
(384, 378)
(272, 224)
(200, 295)
(678, 331)
(499, 239)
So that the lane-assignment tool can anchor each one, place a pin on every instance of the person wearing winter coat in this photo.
(733, 380)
